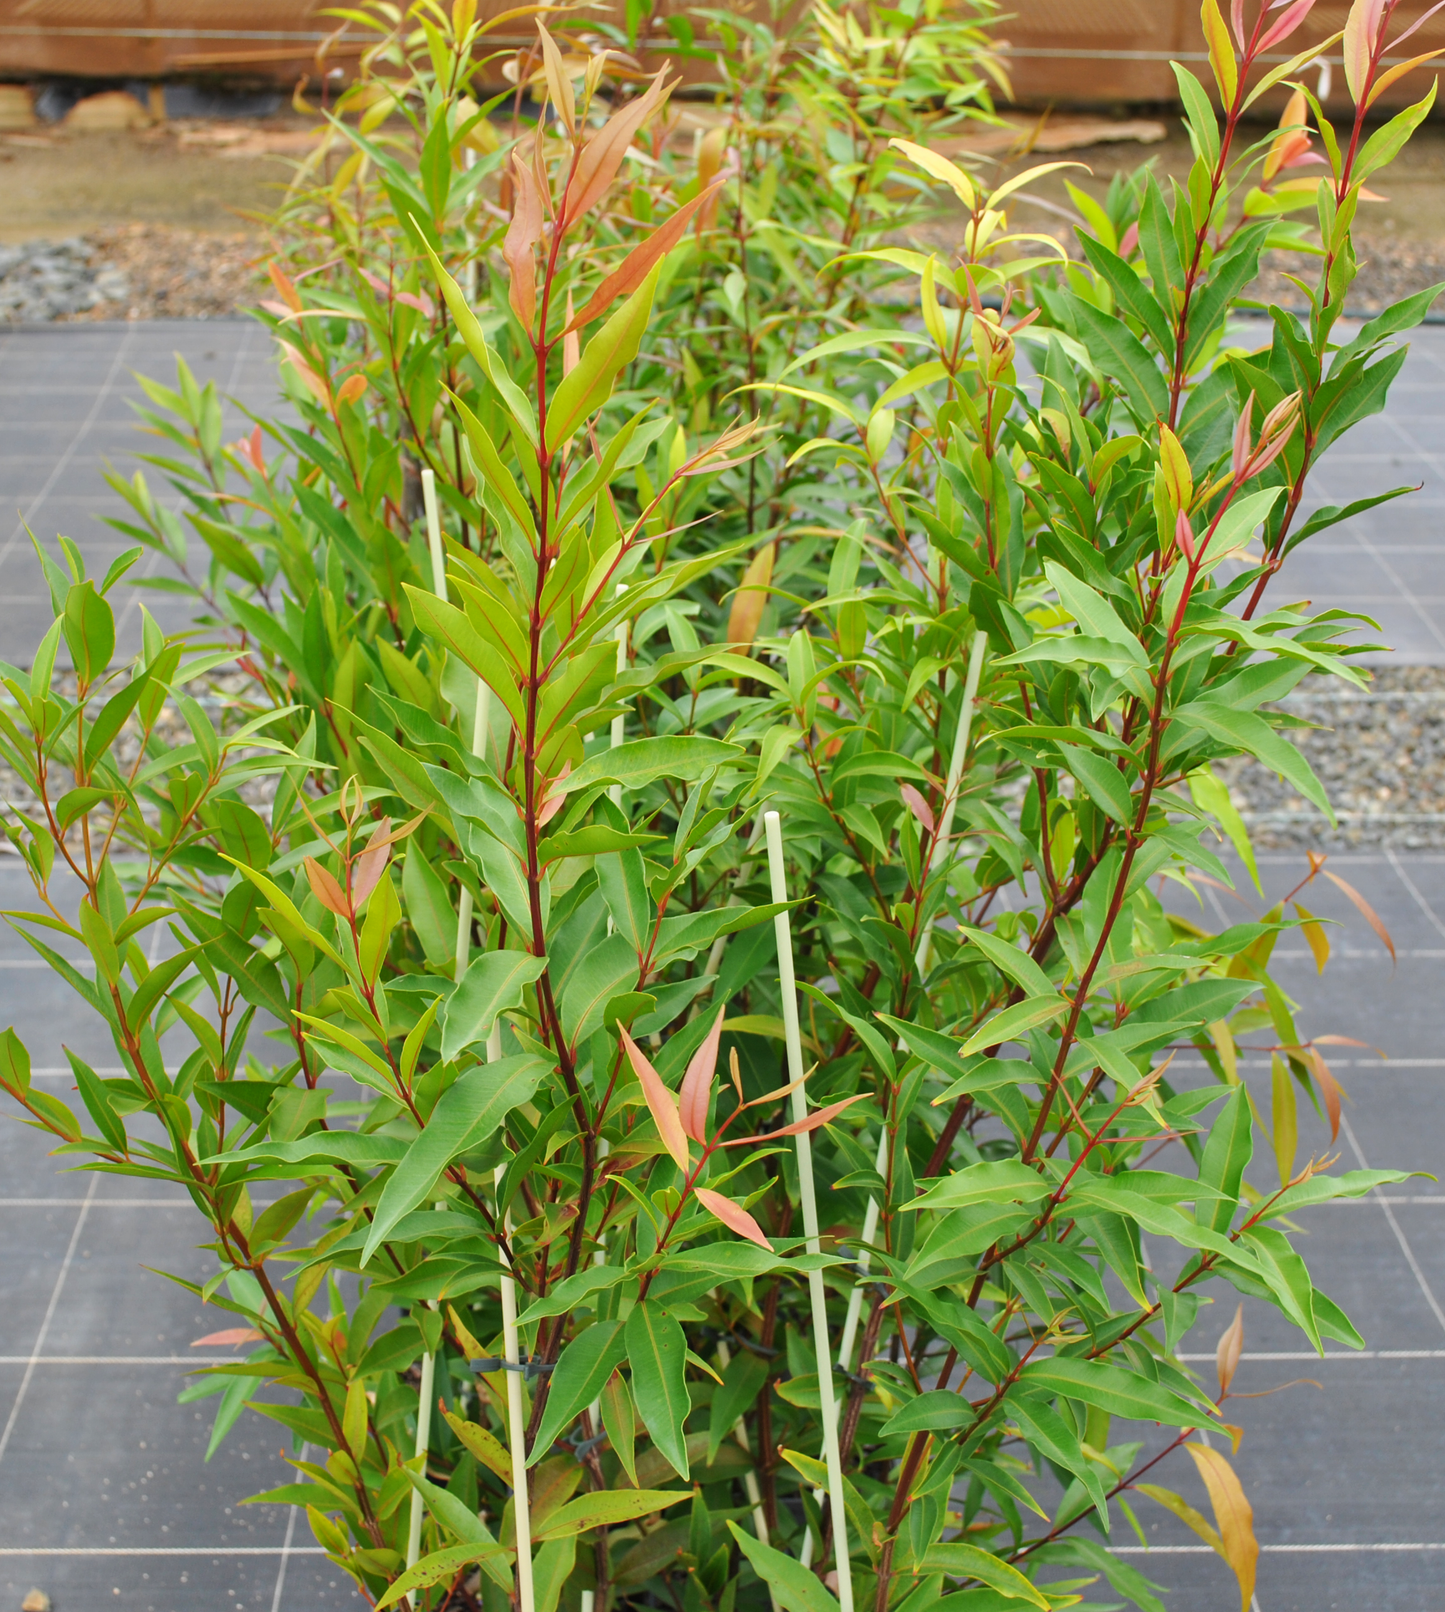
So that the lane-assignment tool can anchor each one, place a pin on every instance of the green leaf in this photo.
(605, 1508)
(588, 387)
(571, 1291)
(440, 1565)
(797, 1589)
(993, 1181)
(1244, 730)
(937, 1410)
(1213, 797)
(491, 985)
(1112, 1389)
(582, 1369)
(469, 1111)
(657, 1351)
(1105, 784)
(1014, 1021)
(640, 761)
(968, 1561)
(742, 1381)
(1120, 353)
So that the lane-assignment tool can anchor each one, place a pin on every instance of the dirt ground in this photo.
(56, 185)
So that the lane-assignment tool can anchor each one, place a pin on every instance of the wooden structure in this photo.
(1065, 52)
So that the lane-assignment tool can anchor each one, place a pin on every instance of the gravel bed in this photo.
(1380, 755)
(1389, 270)
(129, 271)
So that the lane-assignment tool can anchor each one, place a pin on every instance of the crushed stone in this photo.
(1380, 755)
(128, 271)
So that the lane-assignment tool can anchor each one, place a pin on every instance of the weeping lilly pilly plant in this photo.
(679, 1033)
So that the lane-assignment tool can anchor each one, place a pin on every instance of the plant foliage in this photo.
(771, 1190)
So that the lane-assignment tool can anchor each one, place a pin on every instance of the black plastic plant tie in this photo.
(528, 1365)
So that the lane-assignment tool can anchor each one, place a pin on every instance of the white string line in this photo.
(1414, 890)
(60, 464)
(162, 1550)
(286, 1551)
(1333, 1354)
(35, 1353)
(128, 1360)
(1273, 1550)
(1400, 1237)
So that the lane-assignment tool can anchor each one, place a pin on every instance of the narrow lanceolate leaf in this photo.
(641, 761)
(1014, 1021)
(1233, 1516)
(696, 1093)
(732, 1215)
(657, 1352)
(441, 1565)
(582, 1370)
(796, 1588)
(470, 1110)
(958, 1560)
(602, 155)
(588, 387)
(639, 261)
(605, 1509)
(661, 1104)
(1111, 1388)
(491, 985)
(523, 233)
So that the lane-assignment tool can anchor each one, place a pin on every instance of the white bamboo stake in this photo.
(481, 721)
(463, 946)
(796, 1073)
(516, 1408)
(619, 723)
(955, 775)
(925, 945)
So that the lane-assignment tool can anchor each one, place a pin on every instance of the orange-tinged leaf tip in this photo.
(824, 1116)
(733, 1216)
(660, 1101)
(696, 1092)
(228, 1335)
(1231, 1342)
(1366, 911)
(325, 888)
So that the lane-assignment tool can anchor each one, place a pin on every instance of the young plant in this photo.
(454, 957)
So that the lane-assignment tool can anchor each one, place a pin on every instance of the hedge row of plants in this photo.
(677, 968)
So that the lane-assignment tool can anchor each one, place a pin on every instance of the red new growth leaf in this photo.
(696, 1091)
(1231, 1342)
(523, 233)
(733, 1216)
(823, 1117)
(366, 871)
(602, 155)
(1367, 912)
(1330, 1090)
(326, 890)
(638, 262)
(231, 1335)
(660, 1101)
(917, 805)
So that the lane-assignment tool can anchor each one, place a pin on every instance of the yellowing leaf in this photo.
(1233, 1515)
(751, 597)
(1314, 933)
(1221, 51)
(941, 168)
